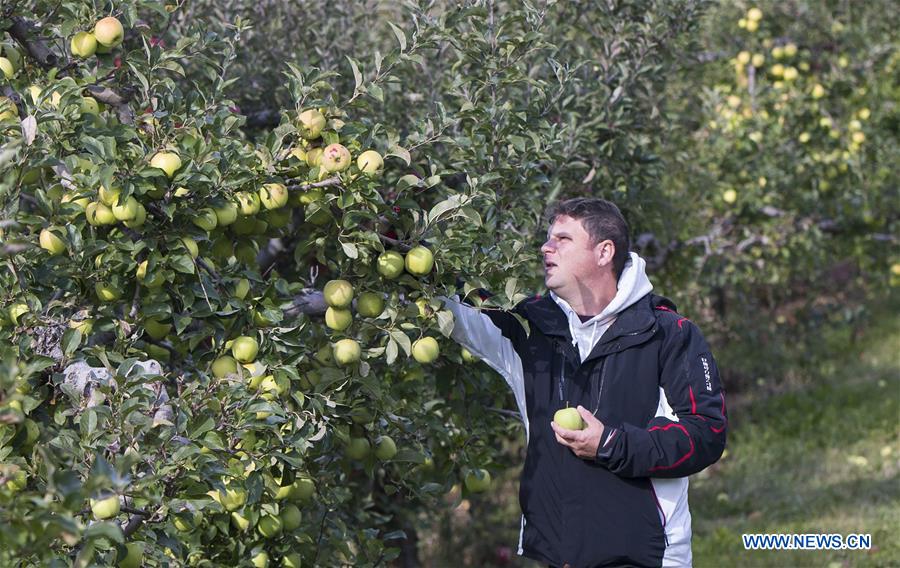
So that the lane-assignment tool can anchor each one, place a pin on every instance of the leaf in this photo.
(400, 152)
(401, 37)
(88, 423)
(510, 288)
(444, 206)
(376, 92)
(350, 250)
(108, 530)
(445, 322)
(391, 351)
(402, 339)
(357, 76)
(70, 341)
(29, 129)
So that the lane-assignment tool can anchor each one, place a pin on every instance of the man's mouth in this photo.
(548, 265)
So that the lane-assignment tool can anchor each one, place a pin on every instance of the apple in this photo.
(314, 157)
(168, 162)
(260, 559)
(206, 219)
(239, 521)
(467, 356)
(51, 242)
(241, 288)
(248, 202)
(370, 304)
(357, 449)
(127, 210)
(139, 218)
(338, 293)
(98, 214)
(191, 246)
(269, 526)
(105, 508)
(156, 329)
(335, 158)
(385, 448)
(7, 67)
(12, 54)
(109, 32)
(729, 196)
(419, 261)
(425, 350)
(273, 195)
(109, 196)
(89, 105)
(226, 214)
(478, 480)
(156, 280)
(390, 264)
(231, 499)
(311, 123)
(224, 366)
(134, 555)
(292, 560)
(106, 292)
(569, 419)
(346, 352)
(244, 349)
(370, 162)
(7, 109)
(338, 319)
(309, 196)
(18, 481)
(291, 518)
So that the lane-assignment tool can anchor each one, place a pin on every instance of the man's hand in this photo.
(583, 442)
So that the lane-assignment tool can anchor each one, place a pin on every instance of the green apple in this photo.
(291, 517)
(311, 123)
(425, 350)
(357, 449)
(191, 246)
(105, 508)
(168, 162)
(7, 67)
(273, 195)
(370, 304)
(109, 196)
(338, 293)
(127, 210)
(569, 419)
(156, 329)
(335, 158)
(106, 292)
(184, 522)
(98, 214)
(239, 521)
(419, 261)
(347, 352)
(89, 105)
(227, 213)
(385, 448)
(83, 44)
(292, 560)
(139, 218)
(269, 526)
(155, 280)
(478, 480)
(248, 202)
(260, 559)
(241, 288)
(467, 356)
(51, 242)
(370, 162)
(338, 319)
(390, 264)
(244, 349)
(314, 157)
(206, 219)
(232, 499)
(109, 32)
(303, 489)
(325, 355)
(134, 555)
(309, 196)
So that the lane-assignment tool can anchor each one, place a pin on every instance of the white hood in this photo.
(632, 286)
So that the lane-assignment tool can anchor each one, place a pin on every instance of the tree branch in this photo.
(36, 48)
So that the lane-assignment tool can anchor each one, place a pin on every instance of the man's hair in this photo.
(601, 219)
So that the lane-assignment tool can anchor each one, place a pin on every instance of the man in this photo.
(641, 376)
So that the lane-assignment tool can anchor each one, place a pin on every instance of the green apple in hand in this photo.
(569, 418)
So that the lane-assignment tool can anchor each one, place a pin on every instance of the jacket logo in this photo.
(706, 374)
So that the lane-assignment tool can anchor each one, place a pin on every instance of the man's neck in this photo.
(590, 299)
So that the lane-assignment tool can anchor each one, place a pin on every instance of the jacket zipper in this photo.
(562, 375)
(600, 390)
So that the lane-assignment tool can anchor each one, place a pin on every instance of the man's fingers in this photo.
(586, 415)
(562, 441)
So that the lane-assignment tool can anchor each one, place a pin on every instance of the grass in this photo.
(823, 458)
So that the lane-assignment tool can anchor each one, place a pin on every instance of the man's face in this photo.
(570, 259)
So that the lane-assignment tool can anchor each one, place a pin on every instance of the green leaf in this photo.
(391, 351)
(108, 530)
(402, 340)
(401, 37)
(401, 153)
(350, 250)
(445, 322)
(357, 76)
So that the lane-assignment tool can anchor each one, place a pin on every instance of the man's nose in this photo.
(546, 248)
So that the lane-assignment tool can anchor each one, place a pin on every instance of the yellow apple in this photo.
(478, 480)
(7, 67)
(346, 352)
(51, 242)
(105, 508)
(109, 196)
(311, 123)
(569, 419)
(335, 158)
(139, 218)
(248, 202)
(338, 319)
(226, 213)
(729, 196)
(390, 264)
(419, 261)
(107, 293)
(109, 32)
(239, 521)
(370, 162)
(244, 349)
(169, 162)
(260, 559)
(126, 210)
(754, 14)
(425, 350)
(313, 157)
(273, 195)
(232, 499)
(370, 304)
(156, 279)
(385, 448)
(98, 214)
(338, 293)
(83, 44)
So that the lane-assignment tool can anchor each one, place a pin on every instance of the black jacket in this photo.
(603, 512)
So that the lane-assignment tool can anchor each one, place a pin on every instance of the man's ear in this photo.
(604, 251)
